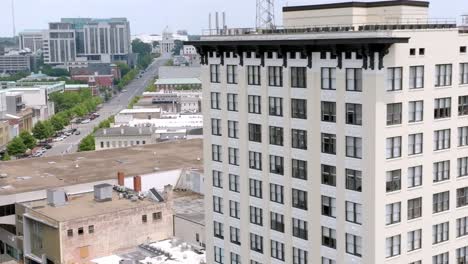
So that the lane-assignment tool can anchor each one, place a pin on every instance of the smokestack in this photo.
(120, 178)
(209, 22)
(224, 20)
(168, 192)
(137, 184)
(217, 23)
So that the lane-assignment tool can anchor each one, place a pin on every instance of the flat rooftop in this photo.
(190, 206)
(179, 81)
(84, 206)
(85, 167)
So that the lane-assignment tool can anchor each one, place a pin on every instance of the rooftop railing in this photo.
(416, 24)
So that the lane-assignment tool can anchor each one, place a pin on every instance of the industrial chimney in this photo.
(137, 184)
(120, 178)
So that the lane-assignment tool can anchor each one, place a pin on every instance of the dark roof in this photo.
(128, 131)
(100, 68)
(357, 4)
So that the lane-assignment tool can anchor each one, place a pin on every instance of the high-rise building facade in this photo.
(87, 40)
(32, 40)
(337, 144)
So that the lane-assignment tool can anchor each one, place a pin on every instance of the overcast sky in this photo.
(151, 16)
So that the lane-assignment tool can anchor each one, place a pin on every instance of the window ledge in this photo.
(415, 188)
(416, 123)
(418, 155)
(393, 224)
(393, 192)
(441, 213)
(395, 125)
(414, 219)
(414, 251)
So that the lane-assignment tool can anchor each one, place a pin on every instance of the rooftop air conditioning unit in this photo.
(103, 192)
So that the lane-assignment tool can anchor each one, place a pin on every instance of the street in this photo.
(112, 107)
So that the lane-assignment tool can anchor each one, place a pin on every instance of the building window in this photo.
(299, 228)
(329, 78)
(354, 147)
(233, 155)
(233, 129)
(442, 108)
(232, 74)
(394, 114)
(299, 169)
(299, 199)
(235, 235)
(255, 160)
(299, 108)
(353, 245)
(216, 153)
(462, 167)
(234, 209)
(354, 180)
(393, 182)
(440, 202)
(276, 165)
(464, 73)
(328, 206)
(217, 179)
(219, 255)
(276, 136)
(463, 105)
(235, 258)
(299, 139)
(277, 222)
(441, 258)
(298, 77)
(255, 187)
(441, 171)
(255, 133)
(328, 261)
(157, 216)
(354, 213)
(393, 246)
(328, 175)
(276, 193)
(233, 104)
(415, 144)
(440, 233)
(276, 106)
(275, 76)
(414, 208)
(328, 111)
(462, 255)
(215, 101)
(443, 75)
(215, 127)
(256, 215)
(414, 176)
(329, 143)
(354, 114)
(394, 79)
(214, 73)
(299, 256)
(218, 230)
(392, 213)
(217, 204)
(70, 232)
(416, 111)
(254, 104)
(416, 77)
(91, 229)
(253, 77)
(463, 136)
(414, 240)
(234, 184)
(462, 226)
(144, 219)
(354, 80)
(462, 197)
(277, 250)
(393, 147)
(441, 139)
(256, 243)
(328, 237)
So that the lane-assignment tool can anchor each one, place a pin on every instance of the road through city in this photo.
(112, 107)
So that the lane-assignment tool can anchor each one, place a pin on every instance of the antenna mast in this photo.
(265, 14)
(13, 17)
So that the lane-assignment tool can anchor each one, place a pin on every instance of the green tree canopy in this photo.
(140, 47)
(28, 139)
(87, 144)
(6, 157)
(16, 147)
(57, 122)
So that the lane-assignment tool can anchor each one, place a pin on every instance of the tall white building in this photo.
(338, 144)
(32, 40)
(167, 43)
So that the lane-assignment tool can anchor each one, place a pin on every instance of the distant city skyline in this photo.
(151, 17)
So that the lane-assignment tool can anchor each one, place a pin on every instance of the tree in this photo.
(16, 147)
(57, 122)
(87, 144)
(140, 47)
(6, 157)
(39, 131)
(124, 68)
(28, 139)
(178, 45)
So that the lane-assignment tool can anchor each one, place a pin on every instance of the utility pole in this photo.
(13, 17)
(265, 14)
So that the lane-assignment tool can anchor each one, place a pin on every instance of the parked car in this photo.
(86, 121)
(77, 132)
(48, 146)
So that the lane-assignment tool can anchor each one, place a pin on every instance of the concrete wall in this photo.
(187, 231)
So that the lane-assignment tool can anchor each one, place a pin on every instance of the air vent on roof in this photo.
(56, 197)
(103, 192)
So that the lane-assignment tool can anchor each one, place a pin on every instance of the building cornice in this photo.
(357, 4)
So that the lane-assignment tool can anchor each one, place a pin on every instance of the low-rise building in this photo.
(15, 63)
(122, 137)
(178, 84)
(127, 115)
(174, 72)
(78, 228)
(4, 134)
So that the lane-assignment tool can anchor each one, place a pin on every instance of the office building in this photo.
(87, 40)
(14, 63)
(337, 144)
(31, 40)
